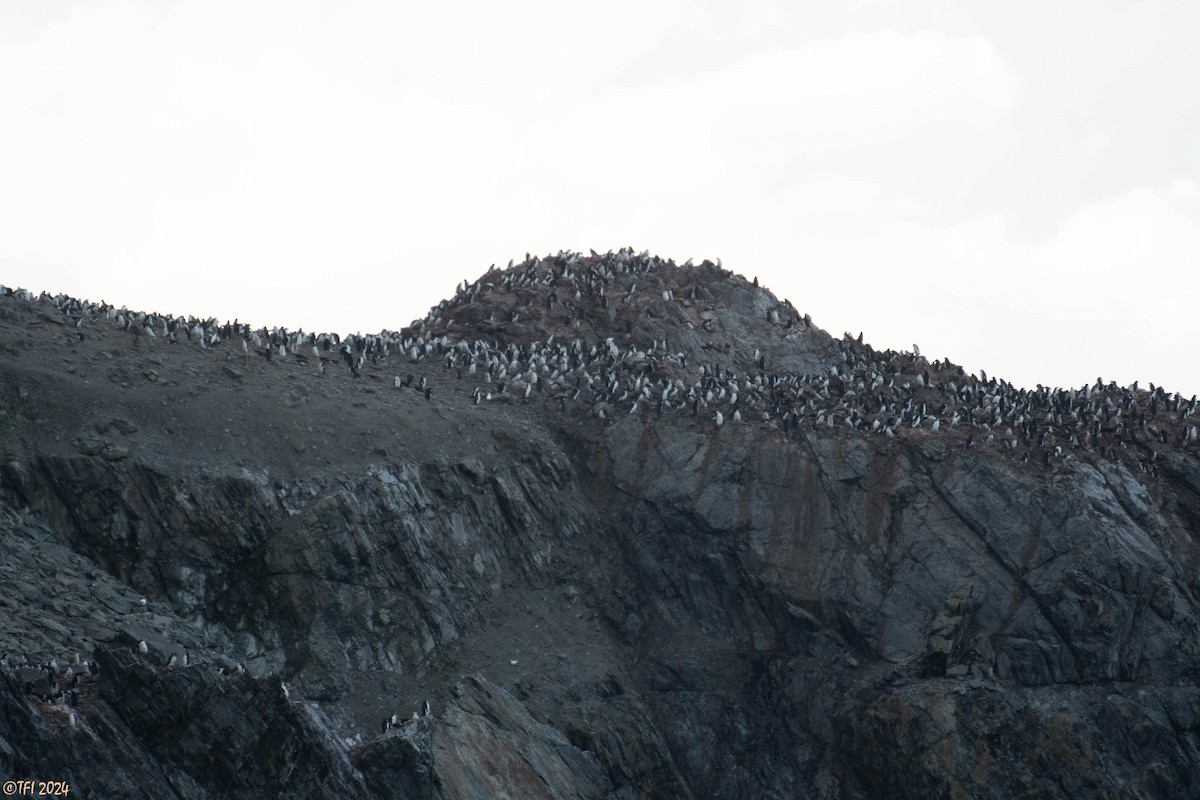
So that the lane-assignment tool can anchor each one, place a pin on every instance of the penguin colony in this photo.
(326, 349)
(883, 393)
(59, 686)
(584, 335)
(52, 682)
(602, 357)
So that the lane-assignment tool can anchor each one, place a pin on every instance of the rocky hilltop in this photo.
(599, 526)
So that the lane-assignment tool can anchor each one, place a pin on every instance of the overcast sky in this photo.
(1013, 185)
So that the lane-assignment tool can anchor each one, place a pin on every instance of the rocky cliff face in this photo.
(633, 529)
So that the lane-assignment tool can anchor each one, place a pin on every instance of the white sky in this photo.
(1013, 185)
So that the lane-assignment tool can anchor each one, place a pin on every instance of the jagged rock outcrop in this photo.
(873, 577)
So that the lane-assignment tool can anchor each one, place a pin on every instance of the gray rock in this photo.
(646, 606)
